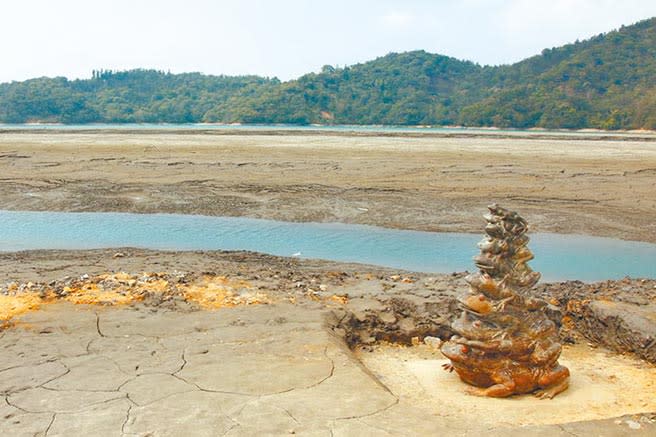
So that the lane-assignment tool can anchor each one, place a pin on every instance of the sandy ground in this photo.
(211, 343)
(603, 187)
(601, 386)
(265, 370)
(146, 344)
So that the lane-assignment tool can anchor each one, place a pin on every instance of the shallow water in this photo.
(557, 257)
(307, 128)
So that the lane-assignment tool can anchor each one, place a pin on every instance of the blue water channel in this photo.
(557, 257)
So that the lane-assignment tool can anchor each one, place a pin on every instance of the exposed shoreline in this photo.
(573, 186)
(491, 133)
(135, 317)
(368, 304)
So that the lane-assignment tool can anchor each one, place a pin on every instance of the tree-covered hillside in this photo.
(607, 82)
(137, 96)
(604, 82)
(408, 88)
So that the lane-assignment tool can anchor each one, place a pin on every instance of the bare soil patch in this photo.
(600, 186)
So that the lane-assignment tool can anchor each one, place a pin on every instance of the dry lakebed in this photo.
(141, 342)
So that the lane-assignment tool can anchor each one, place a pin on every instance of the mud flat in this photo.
(163, 343)
(602, 186)
(137, 342)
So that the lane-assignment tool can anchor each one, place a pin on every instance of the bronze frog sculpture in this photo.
(504, 343)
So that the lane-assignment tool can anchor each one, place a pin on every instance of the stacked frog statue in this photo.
(504, 343)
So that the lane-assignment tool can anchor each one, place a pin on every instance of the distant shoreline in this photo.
(336, 131)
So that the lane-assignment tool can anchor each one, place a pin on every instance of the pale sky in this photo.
(286, 38)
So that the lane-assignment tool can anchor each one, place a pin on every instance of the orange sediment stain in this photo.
(15, 305)
(209, 292)
(222, 292)
(331, 299)
(339, 299)
(90, 294)
(115, 289)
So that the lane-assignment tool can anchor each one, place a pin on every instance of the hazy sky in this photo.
(286, 38)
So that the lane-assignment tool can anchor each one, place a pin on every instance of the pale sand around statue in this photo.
(602, 386)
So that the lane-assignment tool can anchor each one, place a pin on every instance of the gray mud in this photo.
(381, 304)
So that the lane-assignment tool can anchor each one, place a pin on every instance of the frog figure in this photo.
(504, 343)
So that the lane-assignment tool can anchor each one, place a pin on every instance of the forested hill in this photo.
(125, 97)
(605, 82)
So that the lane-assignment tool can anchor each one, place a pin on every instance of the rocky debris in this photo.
(245, 284)
(433, 342)
(598, 313)
(180, 291)
(617, 314)
(621, 326)
(360, 297)
(432, 304)
(422, 310)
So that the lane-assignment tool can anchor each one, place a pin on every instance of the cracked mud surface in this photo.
(209, 379)
(188, 370)
(166, 367)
